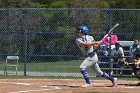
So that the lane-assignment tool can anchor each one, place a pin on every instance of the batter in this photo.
(86, 44)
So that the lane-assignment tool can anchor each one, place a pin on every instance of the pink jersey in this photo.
(114, 39)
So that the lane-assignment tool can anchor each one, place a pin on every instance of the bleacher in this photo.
(105, 64)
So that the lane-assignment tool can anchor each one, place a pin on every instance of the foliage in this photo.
(124, 3)
(70, 4)
(87, 4)
(48, 3)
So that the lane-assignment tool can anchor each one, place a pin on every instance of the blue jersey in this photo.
(88, 49)
(133, 49)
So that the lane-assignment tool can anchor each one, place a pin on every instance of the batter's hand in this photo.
(97, 44)
(137, 62)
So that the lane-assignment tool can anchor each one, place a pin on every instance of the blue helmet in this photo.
(84, 29)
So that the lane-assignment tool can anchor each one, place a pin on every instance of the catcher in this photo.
(135, 57)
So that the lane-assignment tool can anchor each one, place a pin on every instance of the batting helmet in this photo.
(84, 29)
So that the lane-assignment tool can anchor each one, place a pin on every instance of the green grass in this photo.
(63, 66)
(57, 67)
(60, 66)
(72, 66)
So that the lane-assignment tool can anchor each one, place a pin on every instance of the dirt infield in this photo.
(65, 86)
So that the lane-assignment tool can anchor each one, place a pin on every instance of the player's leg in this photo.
(96, 68)
(87, 63)
(85, 74)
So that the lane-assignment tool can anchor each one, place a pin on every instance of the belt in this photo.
(91, 54)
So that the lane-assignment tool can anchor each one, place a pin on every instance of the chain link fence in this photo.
(44, 39)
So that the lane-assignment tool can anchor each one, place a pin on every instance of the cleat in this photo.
(86, 86)
(114, 83)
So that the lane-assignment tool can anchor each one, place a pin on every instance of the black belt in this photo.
(90, 54)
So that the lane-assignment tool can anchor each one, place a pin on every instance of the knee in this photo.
(83, 67)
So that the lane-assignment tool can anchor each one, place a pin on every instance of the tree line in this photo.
(70, 4)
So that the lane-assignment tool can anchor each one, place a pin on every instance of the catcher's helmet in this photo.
(84, 29)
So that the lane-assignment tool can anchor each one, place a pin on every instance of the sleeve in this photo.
(130, 51)
(78, 41)
(93, 40)
(122, 52)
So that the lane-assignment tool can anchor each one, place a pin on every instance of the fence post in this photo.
(26, 32)
(110, 58)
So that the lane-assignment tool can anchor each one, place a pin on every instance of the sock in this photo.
(108, 76)
(86, 76)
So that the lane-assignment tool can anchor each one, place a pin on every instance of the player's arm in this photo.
(122, 52)
(138, 62)
(85, 44)
(130, 51)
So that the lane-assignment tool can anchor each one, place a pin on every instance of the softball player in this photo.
(132, 50)
(135, 54)
(132, 53)
(86, 44)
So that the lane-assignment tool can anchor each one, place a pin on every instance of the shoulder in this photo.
(78, 39)
(90, 37)
(121, 49)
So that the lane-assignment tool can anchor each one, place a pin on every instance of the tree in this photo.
(87, 4)
(14, 3)
(48, 3)
(124, 3)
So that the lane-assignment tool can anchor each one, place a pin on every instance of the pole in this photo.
(26, 31)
